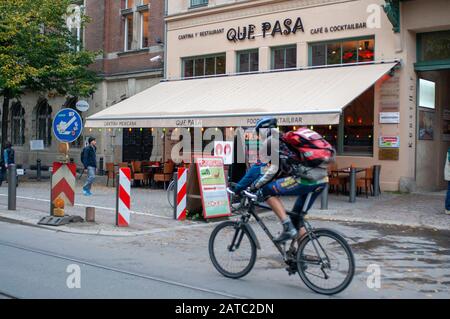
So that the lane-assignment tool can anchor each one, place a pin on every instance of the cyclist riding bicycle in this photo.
(278, 175)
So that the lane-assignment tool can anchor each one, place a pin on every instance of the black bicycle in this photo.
(322, 257)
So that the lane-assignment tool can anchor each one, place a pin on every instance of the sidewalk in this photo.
(151, 212)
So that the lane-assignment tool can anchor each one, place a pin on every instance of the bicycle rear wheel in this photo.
(171, 193)
(326, 263)
(232, 250)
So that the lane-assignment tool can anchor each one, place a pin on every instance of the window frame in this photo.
(125, 34)
(198, 4)
(285, 48)
(341, 41)
(48, 123)
(20, 130)
(141, 35)
(203, 57)
(249, 52)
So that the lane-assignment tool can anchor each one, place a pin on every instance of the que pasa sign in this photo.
(279, 27)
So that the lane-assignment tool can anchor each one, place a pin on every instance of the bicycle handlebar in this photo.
(251, 195)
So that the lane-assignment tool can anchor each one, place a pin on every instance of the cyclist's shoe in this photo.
(289, 232)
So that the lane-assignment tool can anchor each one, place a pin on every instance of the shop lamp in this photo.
(129, 130)
(140, 129)
(99, 129)
(312, 127)
(295, 128)
(329, 127)
(90, 130)
(164, 130)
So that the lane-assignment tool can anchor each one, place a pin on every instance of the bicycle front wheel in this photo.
(232, 250)
(171, 193)
(325, 263)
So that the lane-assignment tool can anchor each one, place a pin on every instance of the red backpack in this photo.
(309, 147)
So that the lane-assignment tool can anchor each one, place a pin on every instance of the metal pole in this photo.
(38, 170)
(352, 185)
(101, 170)
(12, 186)
(376, 180)
(175, 193)
(324, 198)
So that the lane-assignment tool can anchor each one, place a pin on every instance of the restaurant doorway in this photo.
(433, 128)
(137, 144)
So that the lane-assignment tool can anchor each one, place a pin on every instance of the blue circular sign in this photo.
(67, 125)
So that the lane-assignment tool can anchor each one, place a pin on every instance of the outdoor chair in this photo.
(166, 175)
(110, 173)
(335, 181)
(138, 174)
(366, 182)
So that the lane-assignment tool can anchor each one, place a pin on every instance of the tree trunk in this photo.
(5, 115)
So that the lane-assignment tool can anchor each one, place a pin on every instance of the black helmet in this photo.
(266, 122)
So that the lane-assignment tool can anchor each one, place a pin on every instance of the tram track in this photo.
(217, 293)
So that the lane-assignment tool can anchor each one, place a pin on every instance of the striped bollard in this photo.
(181, 193)
(123, 200)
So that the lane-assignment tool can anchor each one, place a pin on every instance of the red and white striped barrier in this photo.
(63, 182)
(123, 198)
(181, 193)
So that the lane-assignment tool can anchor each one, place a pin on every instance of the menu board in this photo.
(211, 177)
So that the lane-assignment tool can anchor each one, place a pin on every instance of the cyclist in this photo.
(282, 177)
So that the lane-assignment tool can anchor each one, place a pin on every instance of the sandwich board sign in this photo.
(206, 187)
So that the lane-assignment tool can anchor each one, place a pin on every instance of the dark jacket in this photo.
(90, 157)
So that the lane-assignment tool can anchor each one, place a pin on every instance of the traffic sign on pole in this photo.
(67, 125)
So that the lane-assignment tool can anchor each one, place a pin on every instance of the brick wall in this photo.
(106, 32)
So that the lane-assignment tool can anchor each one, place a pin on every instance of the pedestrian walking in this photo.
(8, 158)
(89, 160)
(447, 178)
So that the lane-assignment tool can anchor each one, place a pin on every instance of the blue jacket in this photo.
(90, 157)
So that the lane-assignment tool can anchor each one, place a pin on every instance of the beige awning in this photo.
(314, 96)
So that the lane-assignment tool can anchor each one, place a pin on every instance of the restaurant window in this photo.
(357, 124)
(128, 32)
(204, 65)
(284, 57)
(248, 61)
(341, 52)
(144, 29)
(17, 124)
(44, 122)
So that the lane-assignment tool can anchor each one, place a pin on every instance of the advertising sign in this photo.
(37, 145)
(389, 117)
(211, 177)
(389, 142)
(225, 151)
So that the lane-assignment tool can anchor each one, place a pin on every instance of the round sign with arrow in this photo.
(67, 125)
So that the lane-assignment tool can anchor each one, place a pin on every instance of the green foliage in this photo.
(38, 51)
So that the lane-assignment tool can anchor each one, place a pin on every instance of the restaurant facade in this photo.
(371, 76)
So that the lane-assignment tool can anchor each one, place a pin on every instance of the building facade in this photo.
(130, 36)
(397, 123)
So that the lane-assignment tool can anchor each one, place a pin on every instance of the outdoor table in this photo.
(352, 171)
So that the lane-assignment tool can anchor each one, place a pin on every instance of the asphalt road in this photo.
(34, 264)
